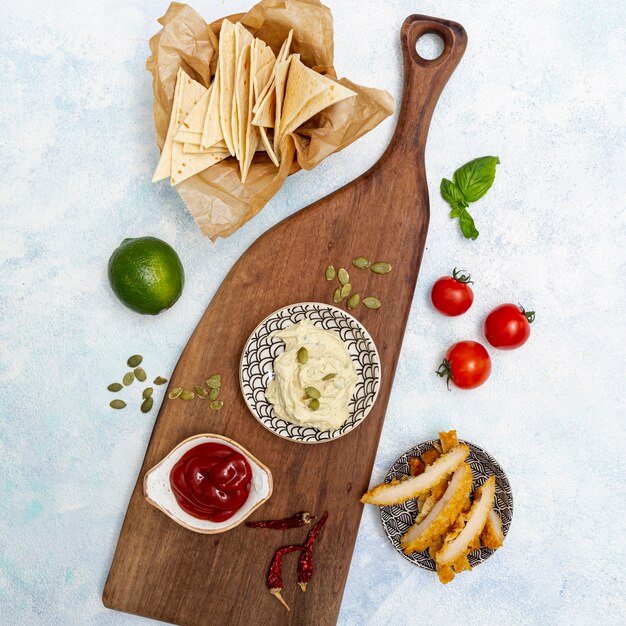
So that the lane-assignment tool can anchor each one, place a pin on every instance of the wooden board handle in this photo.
(424, 79)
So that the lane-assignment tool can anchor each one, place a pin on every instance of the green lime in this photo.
(146, 275)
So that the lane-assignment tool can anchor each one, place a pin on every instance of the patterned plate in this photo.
(398, 518)
(257, 368)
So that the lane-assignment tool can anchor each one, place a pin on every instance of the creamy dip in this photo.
(327, 355)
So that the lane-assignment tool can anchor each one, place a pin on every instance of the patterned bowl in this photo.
(257, 368)
(398, 518)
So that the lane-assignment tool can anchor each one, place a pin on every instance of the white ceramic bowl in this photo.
(158, 492)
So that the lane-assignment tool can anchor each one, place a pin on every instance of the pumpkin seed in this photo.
(337, 295)
(354, 301)
(216, 405)
(114, 387)
(312, 392)
(213, 394)
(175, 393)
(134, 360)
(303, 356)
(201, 392)
(314, 404)
(381, 267)
(159, 380)
(187, 394)
(128, 379)
(213, 383)
(147, 392)
(117, 404)
(372, 303)
(217, 377)
(140, 374)
(329, 376)
(146, 405)
(345, 290)
(361, 263)
(330, 272)
(343, 276)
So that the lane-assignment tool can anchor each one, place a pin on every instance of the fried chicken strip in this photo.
(448, 440)
(465, 536)
(396, 492)
(492, 535)
(443, 513)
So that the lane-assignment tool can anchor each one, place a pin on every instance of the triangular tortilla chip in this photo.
(307, 94)
(227, 66)
(212, 129)
(190, 130)
(192, 148)
(281, 74)
(243, 39)
(242, 97)
(269, 87)
(266, 112)
(185, 165)
(267, 144)
(164, 167)
(263, 62)
(251, 138)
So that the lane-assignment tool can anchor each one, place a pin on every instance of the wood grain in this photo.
(164, 571)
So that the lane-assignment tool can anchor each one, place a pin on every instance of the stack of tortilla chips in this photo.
(255, 100)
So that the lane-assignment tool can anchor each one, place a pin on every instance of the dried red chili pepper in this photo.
(295, 521)
(305, 564)
(274, 576)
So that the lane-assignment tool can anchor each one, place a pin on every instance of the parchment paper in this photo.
(218, 201)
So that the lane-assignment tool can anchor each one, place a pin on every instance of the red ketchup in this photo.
(211, 481)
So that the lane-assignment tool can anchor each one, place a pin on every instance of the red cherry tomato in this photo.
(508, 326)
(452, 295)
(467, 365)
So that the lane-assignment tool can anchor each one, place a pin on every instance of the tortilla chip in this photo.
(192, 148)
(307, 93)
(242, 105)
(268, 90)
(263, 61)
(164, 167)
(190, 131)
(251, 138)
(243, 39)
(281, 75)
(184, 164)
(212, 129)
(226, 68)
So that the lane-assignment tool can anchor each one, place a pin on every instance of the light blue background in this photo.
(541, 85)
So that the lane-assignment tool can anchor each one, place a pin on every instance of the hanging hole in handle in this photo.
(429, 46)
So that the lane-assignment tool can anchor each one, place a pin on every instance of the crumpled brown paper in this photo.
(218, 201)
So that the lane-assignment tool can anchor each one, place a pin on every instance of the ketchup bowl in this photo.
(181, 484)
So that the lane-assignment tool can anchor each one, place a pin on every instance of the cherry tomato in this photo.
(467, 365)
(508, 326)
(452, 295)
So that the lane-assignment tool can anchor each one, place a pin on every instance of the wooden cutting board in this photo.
(166, 572)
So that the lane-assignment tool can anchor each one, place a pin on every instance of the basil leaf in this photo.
(452, 194)
(467, 225)
(474, 179)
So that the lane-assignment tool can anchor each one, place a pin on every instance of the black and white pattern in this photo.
(257, 368)
(398, 518)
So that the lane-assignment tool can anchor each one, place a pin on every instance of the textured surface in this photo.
(540, 85)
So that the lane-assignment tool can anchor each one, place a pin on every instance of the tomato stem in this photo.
(461, 278)
(529, 315)
(445, 370)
